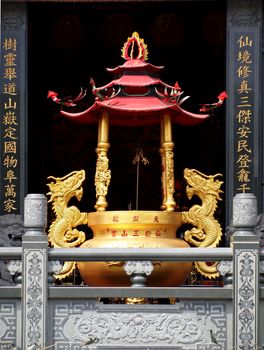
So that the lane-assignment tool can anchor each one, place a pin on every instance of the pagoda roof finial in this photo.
(130, 52)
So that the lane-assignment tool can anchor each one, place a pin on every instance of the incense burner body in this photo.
(134, 229)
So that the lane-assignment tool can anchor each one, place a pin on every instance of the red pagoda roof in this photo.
(134, 80)
(135, 64)
(138, 97)
(136, 111)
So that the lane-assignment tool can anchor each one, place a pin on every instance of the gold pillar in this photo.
(163, 175)
(102, 173)
(167, 162)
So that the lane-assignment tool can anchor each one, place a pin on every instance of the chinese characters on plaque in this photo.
(134, 231)
(244, 113)
(9, 126)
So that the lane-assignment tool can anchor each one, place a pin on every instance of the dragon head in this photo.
(67, 187)
(202, 184)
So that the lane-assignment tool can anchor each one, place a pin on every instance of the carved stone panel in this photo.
(244, 13)
(91, 325)
(34, 293)
(8, 324)
(13, 17)
(11, 232)
(246, 296)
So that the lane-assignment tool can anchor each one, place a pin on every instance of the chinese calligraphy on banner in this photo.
(244, 134)
(9, 127)
(13, 108)
(244, 113)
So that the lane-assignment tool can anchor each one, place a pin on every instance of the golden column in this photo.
(167, 162)
(163, 177)
(102, 174)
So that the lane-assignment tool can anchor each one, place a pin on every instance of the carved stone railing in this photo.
(39, 297)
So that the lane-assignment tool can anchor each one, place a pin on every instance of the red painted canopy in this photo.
(136, 96)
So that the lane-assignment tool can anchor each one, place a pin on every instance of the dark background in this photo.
(71, 42)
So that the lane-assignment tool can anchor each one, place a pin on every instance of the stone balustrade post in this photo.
(225, 269)
(35, 272)
(138, 270)
(246, 272)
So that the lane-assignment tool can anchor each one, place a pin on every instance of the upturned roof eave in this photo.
(120, 112)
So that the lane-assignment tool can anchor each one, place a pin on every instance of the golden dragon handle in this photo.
(207, 231)
(63, 232)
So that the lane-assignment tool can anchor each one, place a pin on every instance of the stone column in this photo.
(246, 272)
(13, 107)
(244, 142)
(35, 274)
(138, 270)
